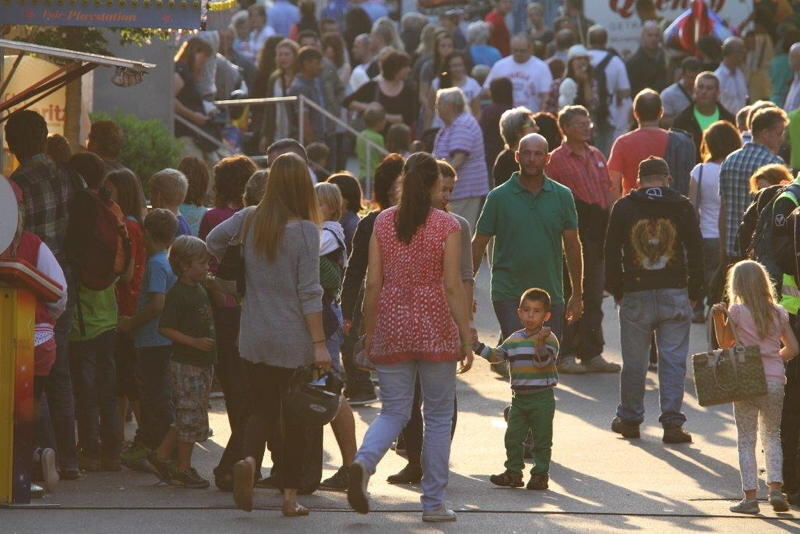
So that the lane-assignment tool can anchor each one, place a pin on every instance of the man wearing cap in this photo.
(654, 270)
(582, 168)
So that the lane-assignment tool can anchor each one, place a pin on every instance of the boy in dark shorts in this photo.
(187, 322)
(532, 354)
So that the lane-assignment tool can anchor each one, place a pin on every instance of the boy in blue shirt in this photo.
(153, 350)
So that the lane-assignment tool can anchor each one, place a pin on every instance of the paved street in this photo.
(599, 481)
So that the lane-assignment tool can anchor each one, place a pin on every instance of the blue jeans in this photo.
(438, 380)
(95, 375)
(506, 312)
(667, 313)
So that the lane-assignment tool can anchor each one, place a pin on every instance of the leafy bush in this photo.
(149, 146)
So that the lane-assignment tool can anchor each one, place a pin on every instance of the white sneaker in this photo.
(441, 514)
(49, 473)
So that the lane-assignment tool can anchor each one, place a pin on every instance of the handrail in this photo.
(303, 101)
(211, 139)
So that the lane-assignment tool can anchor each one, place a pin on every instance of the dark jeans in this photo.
(58, 415)
(584, 337)
(412, 433)
(357, 381)
(506, 312)
(95, 375)
(790, 422)
(268, 386)
(125, 356)
(230, 372)
(155, 394)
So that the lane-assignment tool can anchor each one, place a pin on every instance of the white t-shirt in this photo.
(616, 80)
(470, 88)
(530, 79)
(358, 78)
(709, 199)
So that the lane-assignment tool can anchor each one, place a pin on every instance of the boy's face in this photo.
(197, 270)
(441, 199)
(532, 314)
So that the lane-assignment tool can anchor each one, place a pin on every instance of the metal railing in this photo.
(302, 102)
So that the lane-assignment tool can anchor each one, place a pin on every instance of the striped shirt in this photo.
(530, 372)
(734, 187)
(464, 135)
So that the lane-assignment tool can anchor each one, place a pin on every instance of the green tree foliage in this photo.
(92, 40)
(149, 146)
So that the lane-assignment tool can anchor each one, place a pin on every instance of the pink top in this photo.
(413, 319)
(769, 346)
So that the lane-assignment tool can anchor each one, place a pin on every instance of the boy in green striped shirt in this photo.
(532, 353)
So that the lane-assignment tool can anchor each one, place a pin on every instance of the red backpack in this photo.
(97, 242)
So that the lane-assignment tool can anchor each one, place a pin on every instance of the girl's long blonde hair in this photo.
(288, 195)
(748, 284)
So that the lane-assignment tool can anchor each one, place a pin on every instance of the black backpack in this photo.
(762, 247)
(602, 111)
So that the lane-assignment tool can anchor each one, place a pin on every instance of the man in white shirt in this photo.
(732, 83)
(618, 89)
(793, 96)
(529, 75)
(362, 54)
(261, 30)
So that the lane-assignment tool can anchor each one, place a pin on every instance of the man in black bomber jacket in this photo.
(654, 270)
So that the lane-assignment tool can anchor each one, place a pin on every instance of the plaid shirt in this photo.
(47, 190)
(734, 187)
(587, 175)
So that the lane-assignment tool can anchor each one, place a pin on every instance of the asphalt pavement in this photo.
(599, 482)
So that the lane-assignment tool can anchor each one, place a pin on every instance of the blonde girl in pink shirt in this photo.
(758, 321)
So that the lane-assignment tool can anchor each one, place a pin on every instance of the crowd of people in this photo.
(591, 176)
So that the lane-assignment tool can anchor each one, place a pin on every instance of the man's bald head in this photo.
(533, 141)
(598, 36)
(521, 48)
(651, 35)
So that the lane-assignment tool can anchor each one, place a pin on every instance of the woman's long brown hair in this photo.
(419, 176)
(289, 195)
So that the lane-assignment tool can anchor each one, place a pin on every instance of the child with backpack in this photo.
(759, 321)
(153, 351)
(187, 321)
(98, 249)
(332, 262)
(168, 188)
(126, 192)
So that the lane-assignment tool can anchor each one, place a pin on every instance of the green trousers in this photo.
(534, 412)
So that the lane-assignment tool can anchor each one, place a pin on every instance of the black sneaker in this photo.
(190, 479)
(538, 481)
(357, 495)
(410, 474)
(269, 482)
(160, 468)
(676, 434)
(507, 479)
(337, 482)
(223, 479)
(362, 399)
(628, 430)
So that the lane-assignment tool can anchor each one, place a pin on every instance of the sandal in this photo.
(296, 511)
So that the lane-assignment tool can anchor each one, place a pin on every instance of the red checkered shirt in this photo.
(586, 175)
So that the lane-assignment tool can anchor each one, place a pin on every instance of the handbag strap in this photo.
(731, 325)
(699, 188)
(238, 239)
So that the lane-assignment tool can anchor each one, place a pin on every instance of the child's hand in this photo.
(205, 344)
(543, 333)
(719, 307)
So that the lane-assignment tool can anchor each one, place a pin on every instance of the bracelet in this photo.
(318, 342)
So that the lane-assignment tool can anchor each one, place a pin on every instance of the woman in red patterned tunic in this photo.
(416, 322)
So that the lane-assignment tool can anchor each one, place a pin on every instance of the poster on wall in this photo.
(624, 27)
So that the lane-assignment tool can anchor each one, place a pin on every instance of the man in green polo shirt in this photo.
(704, 111)
(534, 221)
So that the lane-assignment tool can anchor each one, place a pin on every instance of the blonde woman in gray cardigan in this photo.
(281, 324)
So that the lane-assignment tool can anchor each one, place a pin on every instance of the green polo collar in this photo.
(518, 188)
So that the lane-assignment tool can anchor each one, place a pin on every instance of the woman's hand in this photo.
(199, 119)
(322, 358)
